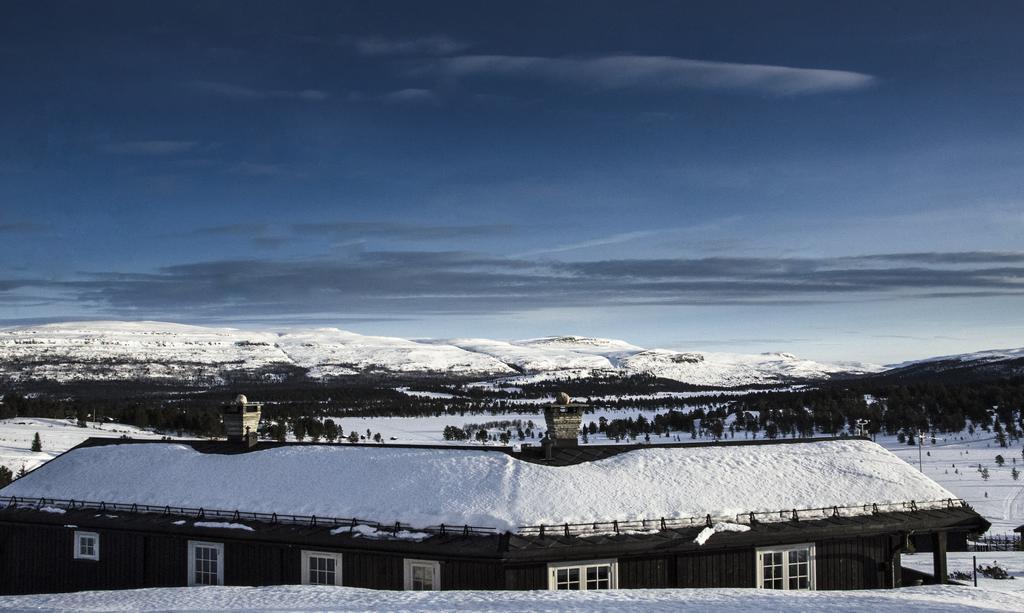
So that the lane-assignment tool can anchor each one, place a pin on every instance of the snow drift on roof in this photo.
(425, 487)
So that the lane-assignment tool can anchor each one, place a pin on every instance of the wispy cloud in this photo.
(604, 241)
(411, 96)
(424, 282)
(410, 232)
(150, 147)
(650, 72)
(231, 90)
(24, 227)
(425, 45)
(266, 236)
(236, 229)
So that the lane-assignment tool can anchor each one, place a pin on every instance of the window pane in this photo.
(205, 562)
(771, 570)
(798, 569)
(599, 577)
(422, 577)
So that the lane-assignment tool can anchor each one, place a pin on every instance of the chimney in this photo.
(563, 421)
(241, 421)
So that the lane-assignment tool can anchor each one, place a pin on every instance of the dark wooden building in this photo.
(54, 536)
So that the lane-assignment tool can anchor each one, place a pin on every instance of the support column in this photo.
(939, 557)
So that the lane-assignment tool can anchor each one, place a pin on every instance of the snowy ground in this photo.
(963, 561)
(427, 487)
(56, 435)
(953, 463)
(322, 598)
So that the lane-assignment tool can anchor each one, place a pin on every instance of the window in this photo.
(87, 545)
(786, 568)
(422, 575)
(321, 568)
(593, 575)
(205, 563)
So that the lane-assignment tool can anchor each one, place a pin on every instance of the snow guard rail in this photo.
(640, 526)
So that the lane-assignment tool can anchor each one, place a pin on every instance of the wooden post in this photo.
(939, 557)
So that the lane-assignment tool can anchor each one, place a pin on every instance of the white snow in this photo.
(326, 350)
(533, 358)
(425, 487)
(710, 531)
(963, 561)
(366, 531)
(989, 355)
(733, 369)
(928, 599)
(223, 525)
(56, 435)
(157, 351)
(953, 462)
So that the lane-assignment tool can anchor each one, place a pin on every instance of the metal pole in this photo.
(974, 561)
(920, 448)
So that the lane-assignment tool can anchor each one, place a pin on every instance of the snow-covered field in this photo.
(953, 463)
(56, 435)
(323, 598)
(963, 561)
(165, 352)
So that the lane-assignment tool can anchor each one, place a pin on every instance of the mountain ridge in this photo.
(210, 356)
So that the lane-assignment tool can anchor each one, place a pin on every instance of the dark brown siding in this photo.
(635, 573)
(462, 575)
(527, 577)
(41, 559)
(851, 564)
(166, 561)
(373, 571)
(255, 563)
(727, 568)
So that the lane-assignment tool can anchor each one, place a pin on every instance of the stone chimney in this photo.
(563, 420)
(241, 421)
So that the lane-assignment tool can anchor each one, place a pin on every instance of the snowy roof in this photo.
(430, 486)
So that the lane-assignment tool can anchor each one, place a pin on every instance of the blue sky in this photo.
(838, 180)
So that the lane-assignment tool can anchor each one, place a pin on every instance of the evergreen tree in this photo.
(21, 472)
(6, 476)
(330, 430)
(353, 437)
(37, 444)
(299, 429)
(1000, 460)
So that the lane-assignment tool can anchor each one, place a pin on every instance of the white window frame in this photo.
(434, 565)
(307, 555)
(192, 546)
(784, 550)
(582, 566)
(81, 534)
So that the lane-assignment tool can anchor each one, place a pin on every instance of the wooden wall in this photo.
(35, 558)
(852, 564)
(39, 558)
(725, 568)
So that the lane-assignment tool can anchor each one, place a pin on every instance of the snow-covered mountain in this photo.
(174, 353)
(993, 362)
